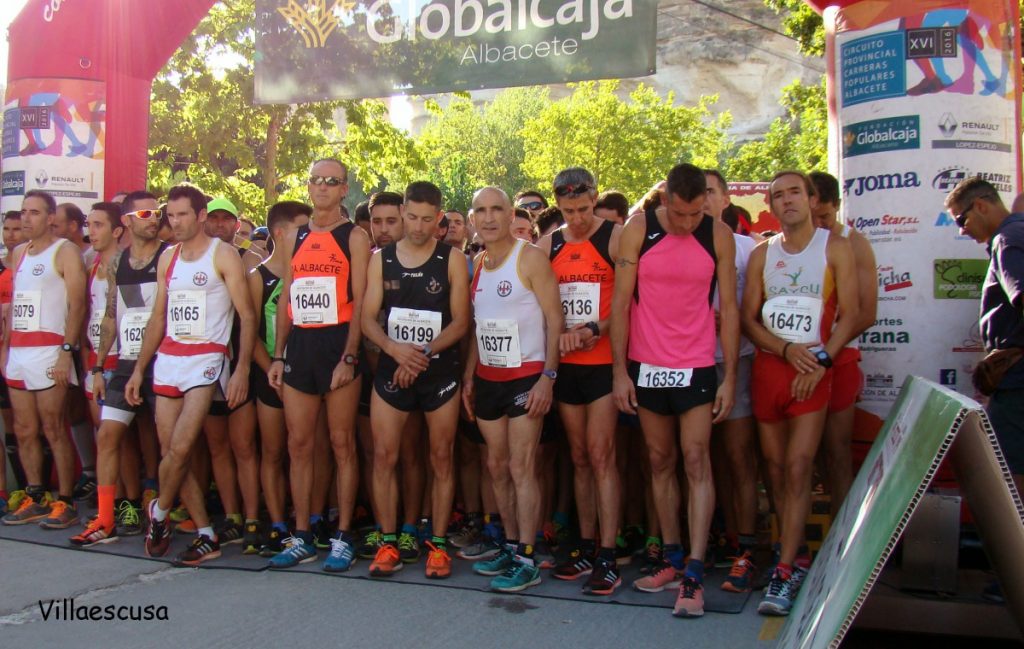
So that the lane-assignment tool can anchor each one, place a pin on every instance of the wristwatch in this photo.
(823, 358)
(594, 329)
(427, 351)
(96, 369)
(551, 374)
(67, 347)
(349, 359)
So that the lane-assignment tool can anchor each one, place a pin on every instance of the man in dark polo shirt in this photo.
(979, 213)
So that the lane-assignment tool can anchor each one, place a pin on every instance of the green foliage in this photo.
(802, 23)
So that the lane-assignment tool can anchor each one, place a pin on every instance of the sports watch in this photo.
(551, 374)
(823, 358)
(594, 329)
(349, 359)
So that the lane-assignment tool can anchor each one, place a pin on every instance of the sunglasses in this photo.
(961, 218)
(572, 190)
(145, 214)
(330, 181)
(532, 205)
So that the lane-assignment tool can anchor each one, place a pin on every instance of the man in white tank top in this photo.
(44, 323)
(191, 326)
(847, 379)
(509, 377)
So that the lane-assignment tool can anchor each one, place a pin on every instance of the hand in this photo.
(624, 392)
(804, 384)
(411, 357)
(538, 401)
(133, 388)
(403, 378)
(575, 339)
(467, 395)
(275, 375)
(725, 398)
(99, 387)
(62, 369)
(801, 358)
(238, 387)
(342, 375)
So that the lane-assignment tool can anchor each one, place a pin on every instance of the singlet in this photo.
(39, 302)
(744, 246)
(510, 331)
(136, 293)
(417, 306)
(268, 308)
(6, 284)
(98, 287)
(800, 292)
(855, 343)
(586, 281)
(199, 307)
(672, 322)
(321, 290)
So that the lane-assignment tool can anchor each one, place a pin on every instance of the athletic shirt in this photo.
(800, 292)
(510, 331)
(417, 306)
(744, 246)
(855, 343)
(672, 322)
(5, 284)
(136, 293)
(199, 307)
(268, 311)
(39, 301)
(586, 281)
(321, 291)
(99, 288)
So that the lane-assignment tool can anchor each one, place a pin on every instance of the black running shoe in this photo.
(229, 532)
(85, 489)
(604, 578)
(252, 540)
(202, 548)
(323, 532)
(274, 543)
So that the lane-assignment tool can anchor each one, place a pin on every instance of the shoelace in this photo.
(741, 566)
(59, 507)
(387, 552)
(26, 502)
(689, 588)
(93, 526)
(436, 554)
(406, 542)
(374, 538)
(339, 548)
(778, 586)
(128, 514)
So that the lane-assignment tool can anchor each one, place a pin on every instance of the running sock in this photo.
(408, 529)
(159, 514)
(785, 570)
(561, 519)
(69, 500)
(674, 555)
(606, 554)
(251, 521)
(747, 542)
(85, 442)
(105, 500)
(149, 483)
(653, 540)
(305, 535)
(280, 526)
(207, 532)
(439, 542)
(695, 570)
(234, 518)
(346, 536)
(390, 539)
(314, 519)
(36, 492)
(512, 545)
(588, 547)
(525, 552)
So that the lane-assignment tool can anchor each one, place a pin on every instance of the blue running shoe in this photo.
(518, 577)
(342, 556)
(781, 593)
(295, 551)
(496, 566)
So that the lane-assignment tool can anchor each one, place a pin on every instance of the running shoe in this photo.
(371, 543)
(424, 531)
(604, 579)
(576, 565)
(439, 563)
(61, 516)
(665, 576)
(623, 556)
(295, 551)
(486, 547)
(780, 594)
(543, 557)
(3, 505)
(202, 548)
(690, 601)
(14, 501)
(158, 536)
(652, 558)
(323, 532)
(408, 548)
(634, 537)
(177, 515)
(128, 519)
(741, 575)
(517, 577)
(28, 510)
(387, 562)
(468, 534)
(94, 534)
(252, 540)
(495, 566)
(273, 544)
(85, 489)
(187, 526)
(229, 532)
(341, 556)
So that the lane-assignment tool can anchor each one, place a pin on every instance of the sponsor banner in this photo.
(906, 78)
(753, 197)
(54, 133)
(311, 50)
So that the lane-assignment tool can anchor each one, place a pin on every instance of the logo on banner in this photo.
(959, 279)
(315, 22)
(932, 42)
(887, 228)
(13, 183)
(873, 67)
(878, 135)
(885, 336)
(879, 380)
(950, 177)
(866, 184)
(891, 282)
(30, 117)
(975, 135)
(947, 377)
(42, 178)
(971, 341)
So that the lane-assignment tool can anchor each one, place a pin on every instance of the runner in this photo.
(200, 287)
(105, 230)
(806, 274)
(45, 320)
(131, 288)
(323, 287)
(667, 370)
(509, 378)
(422, 288)
(11, 239)
(582, 254)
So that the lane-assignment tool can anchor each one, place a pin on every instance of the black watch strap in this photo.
(596, 330)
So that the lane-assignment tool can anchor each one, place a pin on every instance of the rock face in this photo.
(734, 48)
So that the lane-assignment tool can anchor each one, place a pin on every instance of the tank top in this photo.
(136, 293)
(510, 332)
(39, 302)
(6, 284)
(744, 246)
(199, 307)
(321, 291)
(672, 323)
(586, 281)
(99, 287)
(855, 343)
(800, 296)
(268, 308)
(417, 306)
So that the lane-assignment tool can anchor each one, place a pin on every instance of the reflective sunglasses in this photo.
(532, 205)
(961, 218)
(145, 214)
(330, 181)
(572, 190)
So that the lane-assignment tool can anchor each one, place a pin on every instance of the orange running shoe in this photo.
(439, 564)
(187, 526)
(387, 562)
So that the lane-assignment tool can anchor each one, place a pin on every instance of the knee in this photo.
(663, 463)
(107, 441)
(441, 460)
(344, 448)
(521, 468)
(602, 457)
(581, 459)
(384, 459)
(497, 466)
(300, 447)
(798, 474)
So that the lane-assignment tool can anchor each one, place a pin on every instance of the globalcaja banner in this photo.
(311, 50)
(922, 94)
(53, 139)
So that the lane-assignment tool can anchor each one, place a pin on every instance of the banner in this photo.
(311, 50)
(753, 197)
(53, 139)
(923, 94)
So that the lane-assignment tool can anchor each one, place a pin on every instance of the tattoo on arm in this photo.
(622, 261)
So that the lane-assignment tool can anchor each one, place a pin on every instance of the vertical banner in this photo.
(53, 139)
(922, 94)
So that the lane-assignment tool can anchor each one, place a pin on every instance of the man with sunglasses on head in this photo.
(582, 253)
(316, 360)
(131, 289)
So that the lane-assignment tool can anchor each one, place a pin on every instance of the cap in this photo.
(222, 204)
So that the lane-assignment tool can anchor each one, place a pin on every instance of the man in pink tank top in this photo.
(663, 357)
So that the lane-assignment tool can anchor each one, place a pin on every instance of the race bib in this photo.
(580, 301)
(498, 343)
(25, 310)
(314, 301)
(653, 376)
(794, 318)
(133, 326)
(95, 321)
(413, 326)
(186, 313)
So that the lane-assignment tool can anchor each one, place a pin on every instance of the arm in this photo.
(537, 272)
(108, 332)
(283, 321)
(229, 265)
(844, 269)
(472, 354)
(156, 328)
(69, 265)
(255, 286)
(632, 237)
(867, 282)
(729, 317)
(359, 248)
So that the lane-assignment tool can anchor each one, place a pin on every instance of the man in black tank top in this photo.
(423, 287)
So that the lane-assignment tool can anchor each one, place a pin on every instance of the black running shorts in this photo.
(676, 401)
(497, 399)
(578, 385)
(311, 356)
